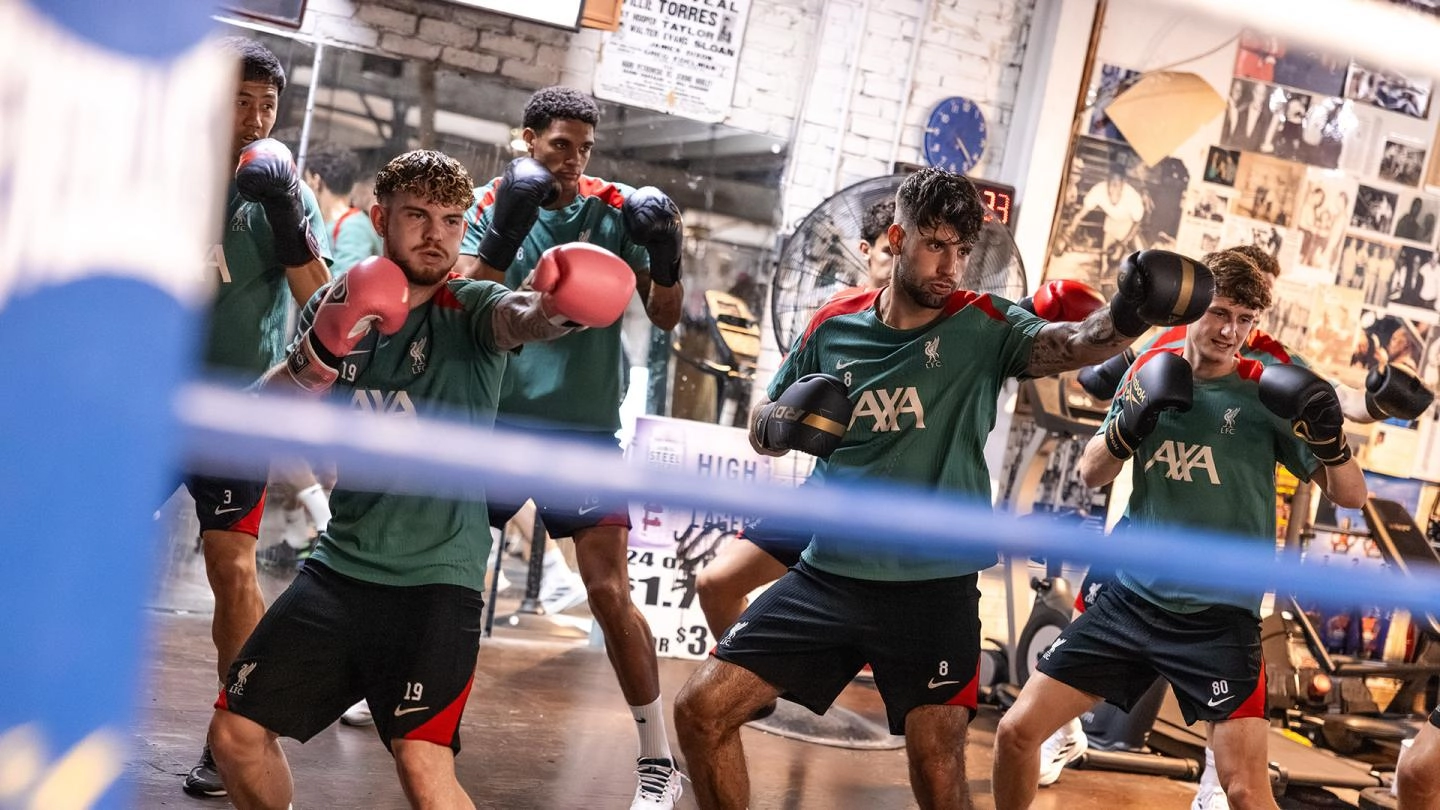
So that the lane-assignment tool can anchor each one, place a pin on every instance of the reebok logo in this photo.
(399, 712)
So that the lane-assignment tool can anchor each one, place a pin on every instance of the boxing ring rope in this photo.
(233, 432)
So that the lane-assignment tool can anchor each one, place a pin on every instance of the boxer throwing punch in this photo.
(388, 607)
(914, 619)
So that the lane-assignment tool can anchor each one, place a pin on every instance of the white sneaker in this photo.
(358, 715)
(1210, 797)
(1062, 748)
(567, 594)
(659, 784)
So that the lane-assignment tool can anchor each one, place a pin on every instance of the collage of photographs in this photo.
(1319, 159)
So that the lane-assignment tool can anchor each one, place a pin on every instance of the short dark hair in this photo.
(877, 219)
(336, 167)
(933, 197)
(257, 62)
(550, 103)
(1239, 277)
(426, 173)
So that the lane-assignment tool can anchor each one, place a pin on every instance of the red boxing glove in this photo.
(1066, 300)
(373, 294)
(582, 284)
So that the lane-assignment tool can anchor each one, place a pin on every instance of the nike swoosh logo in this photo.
(587, 510)
(1212, 702)
(839, 364)
(934, 684)
(399, 712)
(219, 511)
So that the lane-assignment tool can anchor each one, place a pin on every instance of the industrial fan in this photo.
(822, 257)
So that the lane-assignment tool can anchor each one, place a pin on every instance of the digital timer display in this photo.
(1000, 199)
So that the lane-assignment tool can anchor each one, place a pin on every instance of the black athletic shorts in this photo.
(330, 640)
(811, 632)
(1435, 717)
(1117, 647)
(227, 504)
(563, 515)
(784, 546)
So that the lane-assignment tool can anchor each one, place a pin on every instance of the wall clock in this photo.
(956, 135)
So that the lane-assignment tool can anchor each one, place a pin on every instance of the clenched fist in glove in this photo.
(1162, 381)
(266, 175)
(811, 416)
(373, 294)
(582, 285)
(525, 188)
(653, 222)
(1160, 288)
(1310, 403)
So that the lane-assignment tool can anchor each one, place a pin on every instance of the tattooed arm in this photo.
(1069, 345)
(519, 319)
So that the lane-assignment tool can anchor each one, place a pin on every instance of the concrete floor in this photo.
(545, 728)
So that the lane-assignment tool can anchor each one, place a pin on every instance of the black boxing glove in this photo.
(1395, 392)
(1159, 288)
(525, 188)
(266, 174)
(811, 416)
(653, 222)
(1162, 382)
(1312, 406)
(1101, 379)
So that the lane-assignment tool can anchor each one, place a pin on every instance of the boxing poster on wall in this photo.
(1112, 205)
(674, 57)
(671, 544)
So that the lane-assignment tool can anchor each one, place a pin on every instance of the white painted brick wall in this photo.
(775, 53)
(971, 48)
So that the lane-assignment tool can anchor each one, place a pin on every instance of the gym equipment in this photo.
(1319, 668)
(725, 344)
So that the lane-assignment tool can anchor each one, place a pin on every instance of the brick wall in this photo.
(970, 48)
(778, 42)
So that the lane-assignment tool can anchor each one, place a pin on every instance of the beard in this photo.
(914, 290)
(424, 274)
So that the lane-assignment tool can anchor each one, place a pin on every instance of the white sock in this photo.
(650, 723)
(1210, 778)
(317, 503)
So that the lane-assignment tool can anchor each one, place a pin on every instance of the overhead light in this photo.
(517, 141)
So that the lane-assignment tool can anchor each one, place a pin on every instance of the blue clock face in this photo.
(956, 135)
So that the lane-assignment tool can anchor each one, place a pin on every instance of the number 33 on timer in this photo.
(956, 135)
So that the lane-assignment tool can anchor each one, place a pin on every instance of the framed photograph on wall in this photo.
(287, 13)
(1415, 219)
(1389, 90)
(1401, 163)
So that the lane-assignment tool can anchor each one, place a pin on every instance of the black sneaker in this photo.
(204, 779)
